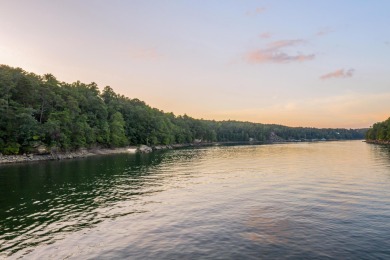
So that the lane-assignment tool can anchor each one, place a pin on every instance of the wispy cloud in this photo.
(341, 73)
(260, 56)
(260, 10)
(324, 31)
(285, 43)
(274, 53)
(265, 35)
(257, 11)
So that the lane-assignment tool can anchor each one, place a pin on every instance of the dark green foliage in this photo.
(40, 110)
(379, 131)
(117, 130)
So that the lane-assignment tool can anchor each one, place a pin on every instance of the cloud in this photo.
(274, 53)
(257, 11)
(285, 43)
(265, 35)
(260, 10)
(324, 31)
(341, 73)
(261, 56)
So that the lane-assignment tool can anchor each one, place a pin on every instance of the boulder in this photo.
(41, 149)
(144, 149)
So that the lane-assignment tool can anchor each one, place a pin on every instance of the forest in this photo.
(43, 111)
(379, 131)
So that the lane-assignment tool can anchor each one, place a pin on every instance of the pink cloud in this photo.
(260, 10)
(257, 11)
(265, 35)
(275, 54)
(324, 31)
(260, 56)
(341, 73)
(285, 43)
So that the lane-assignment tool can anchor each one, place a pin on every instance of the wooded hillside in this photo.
(42, 111)
(379, 131)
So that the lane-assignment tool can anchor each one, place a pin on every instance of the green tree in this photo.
(117, 124)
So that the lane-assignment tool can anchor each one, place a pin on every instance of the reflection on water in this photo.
(304, 200)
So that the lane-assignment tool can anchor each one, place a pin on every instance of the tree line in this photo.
(40, 110)
(379, 131)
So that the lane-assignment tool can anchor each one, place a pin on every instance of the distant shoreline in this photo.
(83, 153)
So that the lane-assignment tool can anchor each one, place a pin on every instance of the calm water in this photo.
(295, 201)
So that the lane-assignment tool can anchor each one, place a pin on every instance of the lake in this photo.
(287, 201)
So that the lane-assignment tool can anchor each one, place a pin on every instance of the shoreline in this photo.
(83, 153)
(385, 142)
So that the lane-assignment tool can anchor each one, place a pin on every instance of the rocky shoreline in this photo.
(81, 153)
(8, 159)
(378, 141)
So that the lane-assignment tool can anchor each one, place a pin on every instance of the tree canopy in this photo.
(40, 110)
(379, 131)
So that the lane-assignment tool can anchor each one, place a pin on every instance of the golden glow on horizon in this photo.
(354, 111)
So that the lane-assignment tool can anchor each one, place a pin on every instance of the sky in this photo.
(322, 63)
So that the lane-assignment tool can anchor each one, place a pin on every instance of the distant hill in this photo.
(40, 113)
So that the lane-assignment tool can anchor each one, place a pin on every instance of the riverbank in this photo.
(8, 159)
(82, 153)
(378, 141)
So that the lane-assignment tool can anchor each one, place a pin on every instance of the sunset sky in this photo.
(297, 63)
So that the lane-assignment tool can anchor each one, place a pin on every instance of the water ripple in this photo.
(306, 200)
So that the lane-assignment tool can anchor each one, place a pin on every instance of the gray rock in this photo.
(42, 149)
(144, 149)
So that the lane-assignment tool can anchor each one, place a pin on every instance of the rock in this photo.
(145, 149)
(41, 149)
(162, 147)
(131, 150)
(157, 148)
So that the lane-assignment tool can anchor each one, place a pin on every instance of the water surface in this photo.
(296, 201)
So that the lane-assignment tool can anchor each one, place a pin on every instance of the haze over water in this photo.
(302, 200)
